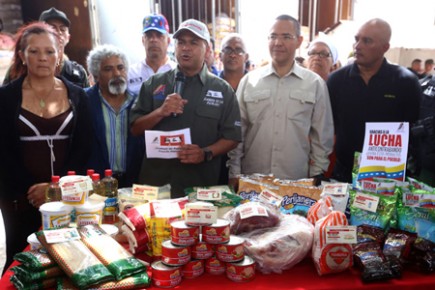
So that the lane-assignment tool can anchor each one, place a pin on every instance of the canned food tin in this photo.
(217, 233)
(174, 255)
(193, 269)
(184, 235)
(165, 276)
(202, 250)
(243, 271)
(214, 266)
(231, 252)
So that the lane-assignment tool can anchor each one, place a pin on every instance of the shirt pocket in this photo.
(208, 114)
(301, 107)
(258, 104)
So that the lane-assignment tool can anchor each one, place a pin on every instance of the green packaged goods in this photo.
(115, 257)
(372, 209)
(138, 281)
(43, 284)
(28, 275)
(35, 259)
(77, 261)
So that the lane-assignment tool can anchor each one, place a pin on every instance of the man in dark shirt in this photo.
(71, 70)
(369, 90)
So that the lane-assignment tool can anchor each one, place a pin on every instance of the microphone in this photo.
(179, 86)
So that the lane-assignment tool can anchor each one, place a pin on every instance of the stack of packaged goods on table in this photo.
(78, 259)
(37, 270)
(340, 213)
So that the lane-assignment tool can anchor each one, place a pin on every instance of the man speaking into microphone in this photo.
(205, 104)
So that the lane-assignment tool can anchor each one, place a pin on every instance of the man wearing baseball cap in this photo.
(71, 70)
(155, 39)
(206, 105)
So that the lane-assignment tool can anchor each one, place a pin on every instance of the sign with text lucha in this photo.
(385, 151)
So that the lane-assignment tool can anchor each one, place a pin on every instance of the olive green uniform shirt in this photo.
(212, 113)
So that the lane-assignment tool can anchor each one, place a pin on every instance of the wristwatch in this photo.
(208, 155)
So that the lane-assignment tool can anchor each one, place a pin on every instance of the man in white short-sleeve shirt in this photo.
(155, 39)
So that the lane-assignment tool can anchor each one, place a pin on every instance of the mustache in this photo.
(117, 85)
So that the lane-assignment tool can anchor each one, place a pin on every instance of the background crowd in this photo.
(292, 119)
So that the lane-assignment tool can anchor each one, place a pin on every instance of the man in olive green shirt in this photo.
(207, 106)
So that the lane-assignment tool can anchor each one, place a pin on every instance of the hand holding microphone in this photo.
(179, 86)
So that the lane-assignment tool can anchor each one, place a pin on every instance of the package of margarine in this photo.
(75, 189)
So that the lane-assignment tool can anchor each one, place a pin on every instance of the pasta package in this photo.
(116, 258)
(35, 259)
(28, 275)
(250, 187)
(138, 281)
(36, 285)
(77, 261)
(297, 199)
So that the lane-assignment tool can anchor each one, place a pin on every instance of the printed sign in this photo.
(384, 152)
(165, 144)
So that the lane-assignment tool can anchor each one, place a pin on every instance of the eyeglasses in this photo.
(229, 51)
(282, 37)
(321, 54)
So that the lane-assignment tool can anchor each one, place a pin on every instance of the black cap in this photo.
(53, 13)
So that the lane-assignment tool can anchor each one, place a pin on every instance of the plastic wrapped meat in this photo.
(281, 247)
(252, 215)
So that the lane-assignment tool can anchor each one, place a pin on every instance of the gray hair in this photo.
(230, 37)
(101, 52)
(296, 23)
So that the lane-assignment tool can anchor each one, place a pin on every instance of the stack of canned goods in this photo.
(195, 249)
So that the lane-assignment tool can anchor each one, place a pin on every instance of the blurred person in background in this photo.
(210, 58)
(45, 131)
(322, 57)
(416, 67)
(155, 39)
(428, 68)
(70, 70)
(233, 56)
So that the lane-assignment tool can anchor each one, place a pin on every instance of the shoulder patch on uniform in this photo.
(159, 92)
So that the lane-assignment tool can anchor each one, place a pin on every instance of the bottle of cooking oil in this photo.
(53, 192)
(110, 187)
(97, 186)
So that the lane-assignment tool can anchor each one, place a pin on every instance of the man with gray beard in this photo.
(113, 145)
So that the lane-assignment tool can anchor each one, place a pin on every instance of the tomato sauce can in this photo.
(184, 235)
(202, 250)
(214, 266)
(232, 251)
(243, 271)
(193, 269)
(164, 276)
(174, 255)
(217, 233)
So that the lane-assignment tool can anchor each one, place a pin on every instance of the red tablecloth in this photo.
(302, 276)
